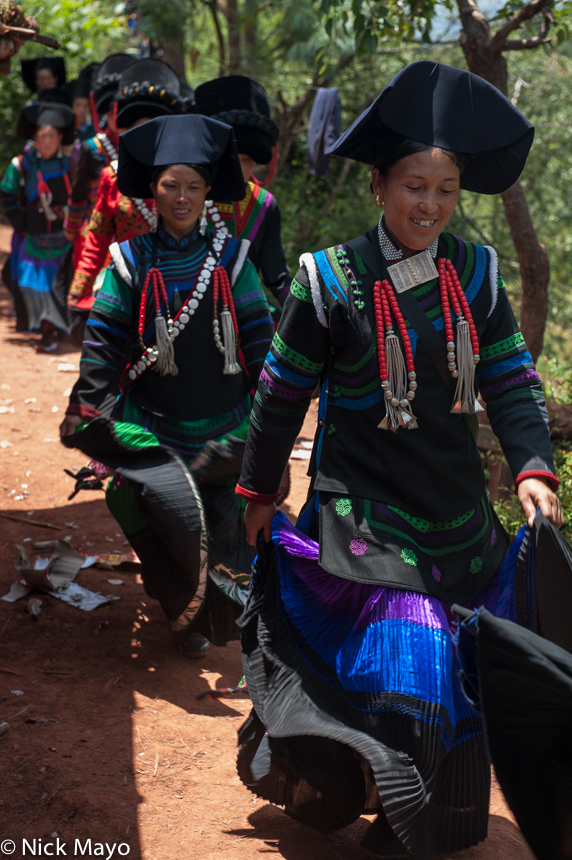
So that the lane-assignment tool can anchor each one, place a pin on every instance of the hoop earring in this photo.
(203, 224)
(377, 196)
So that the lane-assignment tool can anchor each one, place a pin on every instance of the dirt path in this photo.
(108, 741)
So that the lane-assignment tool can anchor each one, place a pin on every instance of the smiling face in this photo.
(419, 194)
(180, 194)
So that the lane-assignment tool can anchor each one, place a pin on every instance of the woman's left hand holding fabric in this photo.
(534, 494)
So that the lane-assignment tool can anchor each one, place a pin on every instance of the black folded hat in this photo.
(79, 88)
(242, 103)
(90, 71)
(57, 95)
(187, 139)
(60, 116)
(147, 88)
(105, 80)
(187, 98)
(441, 106)
(30, 69)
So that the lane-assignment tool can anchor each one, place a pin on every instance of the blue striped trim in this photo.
(124, 333)
(328, 276)
(283, 373)
(362, 402)
(254, 323)
(520, 360)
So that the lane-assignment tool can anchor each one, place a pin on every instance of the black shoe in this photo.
(192, 644)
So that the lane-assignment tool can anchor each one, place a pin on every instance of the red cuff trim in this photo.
(257, 498)
(88, 412)
(550, 479)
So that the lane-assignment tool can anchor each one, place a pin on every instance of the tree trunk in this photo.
(475, 40)
(233, 37)
(174, 48)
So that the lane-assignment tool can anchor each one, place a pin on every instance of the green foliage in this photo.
(509, 510)
(87, 30)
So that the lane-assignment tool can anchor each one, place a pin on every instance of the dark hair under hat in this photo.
(147, 88)
(187, 139)
(105, 80)
(451, 109)
(40, 113)
(30, 69)
(243, 103)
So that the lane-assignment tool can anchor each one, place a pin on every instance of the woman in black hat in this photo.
(186, 306)
(34, 192)
(44, 73)
(243, 103)
(146, 89)
(348, 635)
(78, 92)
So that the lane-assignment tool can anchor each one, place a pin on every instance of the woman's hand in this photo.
(533, 493)
(70, 424)
(258, 517)
(72, 301)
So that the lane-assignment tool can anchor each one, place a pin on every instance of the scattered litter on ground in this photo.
(17, 590)
(111, 560)
(34, 606)
(30, 513)
(72, 526)
(5, 387)
(55, 574)
(65, 367)
(5, 444)
(55, 408)
(17, 692)
(34, 409)
(7, 409)
(116, 581)
(50, 439)
(4, 727)
(102, 625)
(67, 392)
(30, 400)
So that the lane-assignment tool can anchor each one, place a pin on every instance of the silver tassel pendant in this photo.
(397, 407)
(465, 399)
(165, 350)
(231, 365)
(204, 222)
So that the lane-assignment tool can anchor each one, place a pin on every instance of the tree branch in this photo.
(535, 7)
(524, 44)
(306, 233)
(212, 5)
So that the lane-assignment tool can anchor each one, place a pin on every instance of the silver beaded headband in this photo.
(388, 249)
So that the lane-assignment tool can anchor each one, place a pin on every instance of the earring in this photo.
(377, 198)
(203, 226)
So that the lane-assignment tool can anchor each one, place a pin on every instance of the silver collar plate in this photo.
(412, 271)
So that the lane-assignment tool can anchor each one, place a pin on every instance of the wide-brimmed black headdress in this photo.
(449, 108)
(187, 139)
(242, 103)
(105, 81)
(79, 88)
(89, 72)
(40, 113)
(30, 69)
(148, 88)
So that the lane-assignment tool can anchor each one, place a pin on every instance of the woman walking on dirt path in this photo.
(179, 303)
(34, 192)
(348, 634)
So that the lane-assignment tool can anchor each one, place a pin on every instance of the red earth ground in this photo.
(108, 741)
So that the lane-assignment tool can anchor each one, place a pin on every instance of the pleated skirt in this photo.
(358, 705)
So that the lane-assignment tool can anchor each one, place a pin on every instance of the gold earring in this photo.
(377, 196)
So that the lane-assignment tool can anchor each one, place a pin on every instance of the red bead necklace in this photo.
(397, 369)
